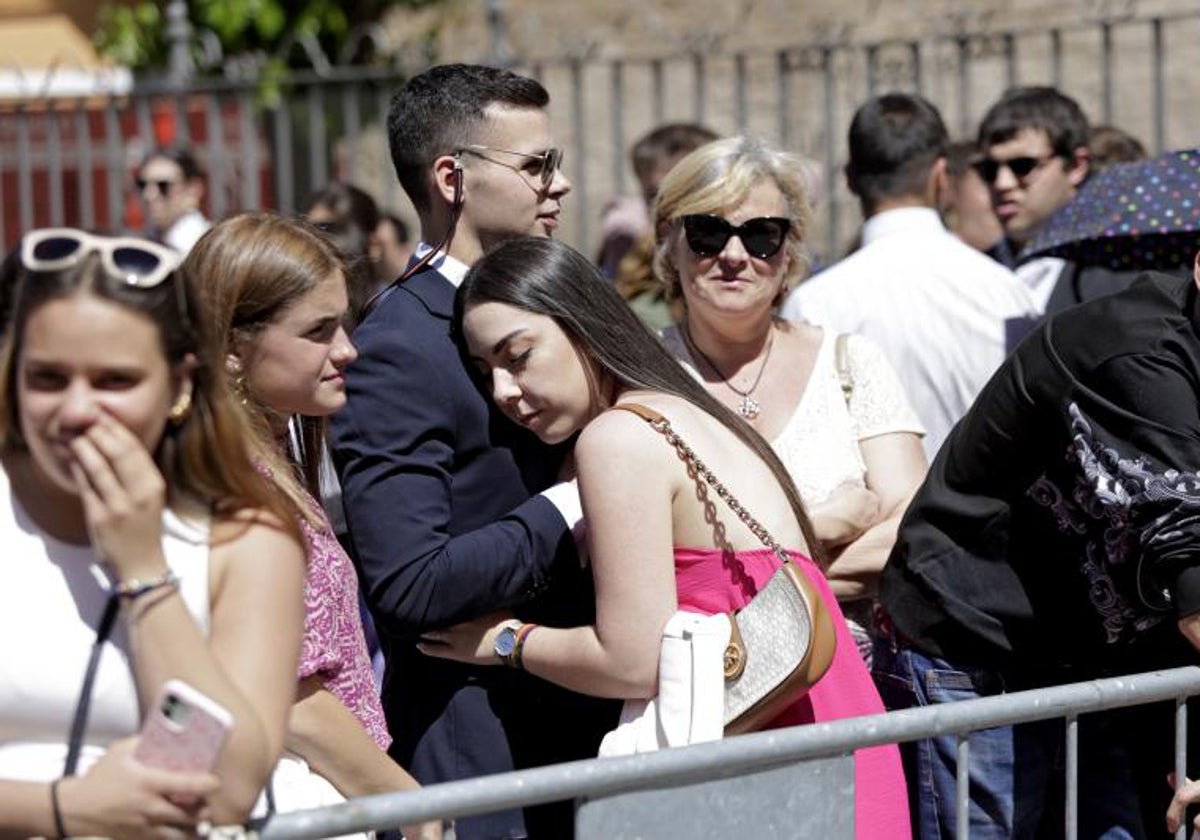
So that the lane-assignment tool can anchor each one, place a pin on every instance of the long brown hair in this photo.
(548, 278)
(245, 272)
(204, 455)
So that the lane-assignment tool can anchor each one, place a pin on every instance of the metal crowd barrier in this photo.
(748, 785)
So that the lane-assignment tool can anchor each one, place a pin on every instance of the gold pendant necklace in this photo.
(750, 407)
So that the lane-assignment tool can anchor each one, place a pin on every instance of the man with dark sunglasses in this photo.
(940, 309)
(454, 512)
(170, 184)
(1035, 159)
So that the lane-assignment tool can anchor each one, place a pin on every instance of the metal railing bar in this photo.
(1071, 805)
(115, 183)
(285, 181)
(55, 167)
(579, 137)
(24, 170)
(84, 171)
(1181, 727)
(218, 173)
(594, 778)
(1160, 85)
(616, 89)
(251, 188)
(962, 787)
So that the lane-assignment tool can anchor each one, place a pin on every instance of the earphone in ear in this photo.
(458, 182)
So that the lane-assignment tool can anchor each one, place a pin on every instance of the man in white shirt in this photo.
(945, 314)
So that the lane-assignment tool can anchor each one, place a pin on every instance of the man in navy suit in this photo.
(453, 511)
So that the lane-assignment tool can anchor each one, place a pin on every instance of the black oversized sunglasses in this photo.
(762, 237)
(1021, 167)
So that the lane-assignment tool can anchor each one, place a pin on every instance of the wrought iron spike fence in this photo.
(69, 159)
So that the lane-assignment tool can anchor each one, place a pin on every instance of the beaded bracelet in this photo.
(59, 828)
(131, 590)
(518, 653)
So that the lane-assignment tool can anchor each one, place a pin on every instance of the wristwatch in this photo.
(505, 646)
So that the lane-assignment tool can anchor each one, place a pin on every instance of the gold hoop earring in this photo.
(180, 410)
(240, 390)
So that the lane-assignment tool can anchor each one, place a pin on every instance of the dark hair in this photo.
(403, 234)
(959, 156)
(354, 217)
(188, 165)
(346, 203)
(10, 273)
(441, 110)
(549, 278)
(1109, 144)
(894, 141)
(204, 455)
(1044, 108)
(666, 143)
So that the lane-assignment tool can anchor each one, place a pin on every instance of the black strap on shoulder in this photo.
(79, 724)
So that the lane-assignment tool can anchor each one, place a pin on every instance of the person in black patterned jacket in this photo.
(1057, 539)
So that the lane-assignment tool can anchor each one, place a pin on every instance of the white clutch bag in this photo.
(690, 705)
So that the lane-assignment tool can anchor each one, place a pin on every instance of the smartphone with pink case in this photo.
(184, 730)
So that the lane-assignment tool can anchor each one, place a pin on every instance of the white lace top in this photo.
(819, 444)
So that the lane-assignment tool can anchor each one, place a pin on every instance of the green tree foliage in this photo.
(134, 34)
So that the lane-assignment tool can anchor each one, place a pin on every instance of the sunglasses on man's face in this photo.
(762, 237)
(163, 185)
(1021, 167)
(547, 162)
(136, 262)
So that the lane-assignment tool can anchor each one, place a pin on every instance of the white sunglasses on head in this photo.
(135, 261)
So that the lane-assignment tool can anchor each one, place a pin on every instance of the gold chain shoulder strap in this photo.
(662, 425)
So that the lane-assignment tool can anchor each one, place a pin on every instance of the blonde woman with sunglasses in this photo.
(731, 222)
(139, 541)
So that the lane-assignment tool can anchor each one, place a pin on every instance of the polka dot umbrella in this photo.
(1130, 216)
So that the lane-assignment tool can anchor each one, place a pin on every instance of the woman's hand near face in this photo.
(123, 496)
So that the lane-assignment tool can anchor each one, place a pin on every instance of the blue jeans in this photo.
(1015, 780)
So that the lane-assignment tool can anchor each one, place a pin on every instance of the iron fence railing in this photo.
(70, 160)
(660, 794)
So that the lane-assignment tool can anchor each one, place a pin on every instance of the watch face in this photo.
(506, 641)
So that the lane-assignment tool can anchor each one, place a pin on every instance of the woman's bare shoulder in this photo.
(254, 534)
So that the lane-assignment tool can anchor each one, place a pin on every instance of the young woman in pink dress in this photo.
(273, 298)
(558, 349)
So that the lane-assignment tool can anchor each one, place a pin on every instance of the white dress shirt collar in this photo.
(446, 265)
(901, 220)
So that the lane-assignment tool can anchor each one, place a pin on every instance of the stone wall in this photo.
(874, 45)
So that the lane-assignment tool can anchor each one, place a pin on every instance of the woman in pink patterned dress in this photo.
(273, 291)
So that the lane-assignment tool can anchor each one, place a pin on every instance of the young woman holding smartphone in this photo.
(139, 540)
